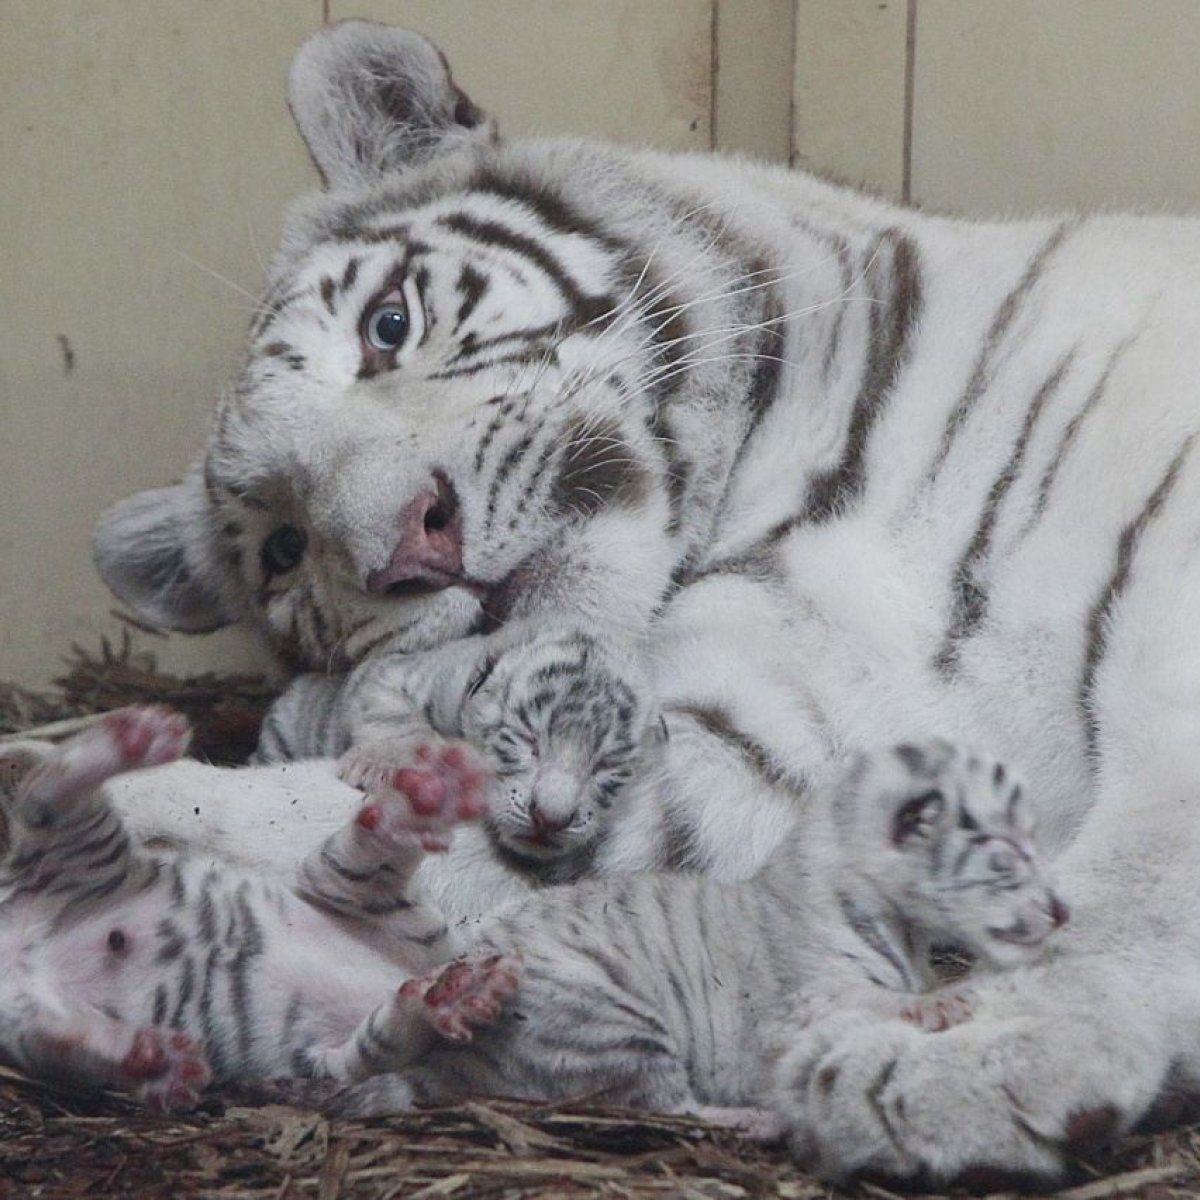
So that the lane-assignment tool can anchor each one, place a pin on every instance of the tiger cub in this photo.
(557, 719)
(657, 990)
(157, 974)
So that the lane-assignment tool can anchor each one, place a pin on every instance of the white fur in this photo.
(1081, 673)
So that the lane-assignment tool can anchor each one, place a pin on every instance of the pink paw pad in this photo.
(444, 776)
(147, 736)
(467, 993)
(168, 1070)
(938, 1015)
(423, 803)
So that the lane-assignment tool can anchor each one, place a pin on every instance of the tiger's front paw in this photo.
(439, 786)
(989, 1103)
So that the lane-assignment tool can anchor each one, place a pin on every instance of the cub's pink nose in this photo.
(545, 824)
(428, 552)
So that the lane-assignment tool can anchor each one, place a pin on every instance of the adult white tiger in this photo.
(854, 472)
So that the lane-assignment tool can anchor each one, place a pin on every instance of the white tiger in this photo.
(158, 972)
(662, 990)
(840, 472)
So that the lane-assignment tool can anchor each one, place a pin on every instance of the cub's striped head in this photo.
(459, 361)
(947, 838)
(565, 733)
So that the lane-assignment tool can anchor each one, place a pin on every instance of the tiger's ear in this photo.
(370, 99)
(156, 552)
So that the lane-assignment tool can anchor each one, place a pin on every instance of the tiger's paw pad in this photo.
(467, 993)
(442, 785)
(146, 736)
(935, 1014)
(165, 1069)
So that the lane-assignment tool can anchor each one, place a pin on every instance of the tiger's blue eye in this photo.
(386, 327)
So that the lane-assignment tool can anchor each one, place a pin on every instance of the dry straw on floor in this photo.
(56, 1145)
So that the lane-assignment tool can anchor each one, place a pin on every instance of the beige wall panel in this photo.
(848, 118)
(753, 103)
(136, 135)
(627, 70)
(1024, 104)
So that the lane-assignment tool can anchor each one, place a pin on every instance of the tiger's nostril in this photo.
(428, 552)
(444, 508)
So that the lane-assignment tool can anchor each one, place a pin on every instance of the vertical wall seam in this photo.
(910, 61)
(714, 71)
(325, 11)
(794, 35)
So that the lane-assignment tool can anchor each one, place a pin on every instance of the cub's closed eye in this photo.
(917, 815)
(283, 550)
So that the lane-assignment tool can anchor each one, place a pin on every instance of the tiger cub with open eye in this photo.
(158, 973)
(657, 990)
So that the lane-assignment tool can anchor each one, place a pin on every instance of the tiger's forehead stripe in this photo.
(493, 233)
(472, 286)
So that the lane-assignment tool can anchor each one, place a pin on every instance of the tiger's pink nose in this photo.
(428, 553)
(547, 823)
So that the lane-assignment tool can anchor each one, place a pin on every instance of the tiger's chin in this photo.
(421, 619)
(559, 857)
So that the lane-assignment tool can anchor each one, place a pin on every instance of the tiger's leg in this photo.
(1057, 1058)
(365, 870)
(64, 837)
(67, 848)
(50, 1038)
(1105, 1028)
(544, 1023)
(447, 1004)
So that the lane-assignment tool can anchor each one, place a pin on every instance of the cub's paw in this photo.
(442, 785)
(146, 736)
(938, 1011)
(124, 740)
(468, 993)
(164, 1069)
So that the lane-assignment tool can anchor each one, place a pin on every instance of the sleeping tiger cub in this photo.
(157, 973)
(834, 471)
(560, 720)
(655, 990)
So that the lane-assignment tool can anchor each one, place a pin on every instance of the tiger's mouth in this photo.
(425, 584)
(429, 582)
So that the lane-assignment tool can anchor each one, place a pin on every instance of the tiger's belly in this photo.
(250, 978)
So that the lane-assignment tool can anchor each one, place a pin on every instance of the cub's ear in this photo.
(370, 99)
(155, 550)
